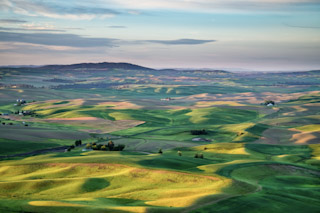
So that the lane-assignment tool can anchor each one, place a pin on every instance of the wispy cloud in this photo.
(302, 26)
(58, 10)
(26, 29)
(12, 21)
(63, 39)
(180, 41)
(209, 5)
(117, 26)
(27, 48)
(74, 28)
(73, 40)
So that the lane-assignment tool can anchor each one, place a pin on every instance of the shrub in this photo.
(104, 147)
(201, 155)
(72, 147)
(160, 151)
(179, 153)
(196, 156)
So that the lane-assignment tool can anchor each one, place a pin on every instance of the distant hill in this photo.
(196, 70)
(311, 72)
(122, 66)
(96, 66)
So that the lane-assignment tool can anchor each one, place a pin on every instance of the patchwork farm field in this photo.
(194, 141)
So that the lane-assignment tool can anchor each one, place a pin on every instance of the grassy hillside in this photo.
(95, 181)
(211, 146)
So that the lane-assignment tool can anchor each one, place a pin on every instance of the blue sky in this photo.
(230, 34)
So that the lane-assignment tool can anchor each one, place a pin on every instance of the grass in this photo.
(237, 173)
(309, 128)
(177, 124)
(161, 182)
(9, 147)
(38, 182)
(296, 184)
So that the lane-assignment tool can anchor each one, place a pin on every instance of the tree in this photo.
(201, 155)
(160, 151)
(179, 153)
(88, 146)
(78, 142)
(266, 102)
(110, 145)
(196, 155)
(99, 146)
(104, 147)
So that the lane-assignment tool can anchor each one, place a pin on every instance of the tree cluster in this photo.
(21, 102)
(266, 102)
(105, 147)
(198, 155)
(199, 132)
(24, 113)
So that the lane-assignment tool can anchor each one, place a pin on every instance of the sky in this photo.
(258, 35)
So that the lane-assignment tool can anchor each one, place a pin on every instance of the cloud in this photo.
(12, 21)
(26, 49)
(74, 28)
(63, 39)
(303, 27)
(37, 27)
(26, 29)
(59, 9)
(180, 41)
(117, 26)
(73, 40)
(209, 5)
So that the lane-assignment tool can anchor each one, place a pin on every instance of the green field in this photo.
(222, 150)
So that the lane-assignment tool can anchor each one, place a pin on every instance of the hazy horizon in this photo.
(249, 35)
(176, 68)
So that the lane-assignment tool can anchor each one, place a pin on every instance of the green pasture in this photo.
(95, 181)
